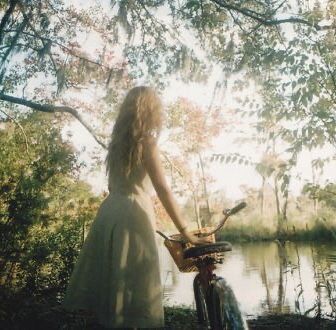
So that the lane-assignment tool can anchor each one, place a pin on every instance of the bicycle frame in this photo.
(208, 288)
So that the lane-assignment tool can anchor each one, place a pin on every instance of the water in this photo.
(267, 278)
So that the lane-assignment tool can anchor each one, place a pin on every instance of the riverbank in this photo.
(184, 318)
(254, 232)
(43, 311)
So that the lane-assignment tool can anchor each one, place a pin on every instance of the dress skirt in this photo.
(117, 274)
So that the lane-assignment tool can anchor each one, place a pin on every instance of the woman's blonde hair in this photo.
(140, 116)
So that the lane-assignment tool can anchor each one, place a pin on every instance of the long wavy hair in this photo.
(140, 116)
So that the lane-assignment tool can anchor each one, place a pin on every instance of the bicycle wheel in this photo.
(224, 311)
(201, 302)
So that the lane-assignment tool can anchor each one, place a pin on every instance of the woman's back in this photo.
(117, 275)
(136, 182)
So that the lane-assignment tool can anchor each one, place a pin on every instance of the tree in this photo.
(326, 194)
(39, 193)
(240, 36)
(192, 130)
(43, 63)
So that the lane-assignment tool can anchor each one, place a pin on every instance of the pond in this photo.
(267, 277)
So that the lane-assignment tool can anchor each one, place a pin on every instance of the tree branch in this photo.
(330, 72)
(164, 27)
(268, 21)
(179, 171)
(13, 42)
(50, 108)
(65, 48)
(6, 17)
(46, 44)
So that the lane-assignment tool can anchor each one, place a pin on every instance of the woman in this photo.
(117, 273)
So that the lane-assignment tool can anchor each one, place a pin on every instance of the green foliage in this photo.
(29, 168)
(304, 221)
(231, 158)
(181, 317)
(49, 255)
(326, 194)
(319, 230)
(45, 210)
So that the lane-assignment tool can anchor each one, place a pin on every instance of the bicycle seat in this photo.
(201, 250)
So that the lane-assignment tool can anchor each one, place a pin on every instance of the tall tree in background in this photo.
(192, 130)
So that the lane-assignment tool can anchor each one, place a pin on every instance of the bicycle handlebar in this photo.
(235, 209)
(227, 213)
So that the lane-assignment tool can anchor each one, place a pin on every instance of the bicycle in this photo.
(216, 305)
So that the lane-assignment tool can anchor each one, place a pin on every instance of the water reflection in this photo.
(270, 277)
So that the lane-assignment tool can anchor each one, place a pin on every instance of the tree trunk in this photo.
(196, 209)
(315, 201)
(206, 215)
(284, 210)
(262, 196)
(277, 203)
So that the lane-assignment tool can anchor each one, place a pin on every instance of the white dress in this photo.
(117, 273)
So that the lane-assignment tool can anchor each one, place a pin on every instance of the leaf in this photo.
(304, 100)
(192, 4)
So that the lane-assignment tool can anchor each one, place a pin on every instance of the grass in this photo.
(180, 318)
(314, 229)
(23, 311)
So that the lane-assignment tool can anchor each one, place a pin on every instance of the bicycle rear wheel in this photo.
(201, 303)
(224, 310)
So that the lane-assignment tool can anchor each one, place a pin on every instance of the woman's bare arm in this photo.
(155, 170)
